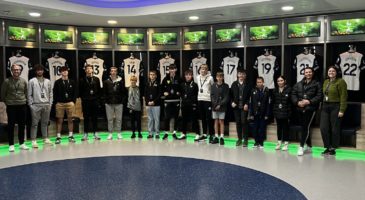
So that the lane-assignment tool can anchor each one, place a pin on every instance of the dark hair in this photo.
(310, 68)
(241, 71)
(153, 71)
(281, 76)
(63, 68)
(88, 66)
(260, 78)
(188, 72)
(38, 67)
(172, 66)
(333, 67)
(219, 74)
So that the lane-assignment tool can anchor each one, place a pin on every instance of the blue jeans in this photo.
(153, 113)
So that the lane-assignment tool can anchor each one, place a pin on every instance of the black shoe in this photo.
(245, 143)
(157, 136)
(165, 136)
(58, 140)
(256, 145)
(202, 137)
(149, 136)
(221, 141)
(325, 152)
(239, 142)
(211, 138)
(133, 135)
(182, 137)
(71, 139)
(332, 152)
(140, 135)
(215, 140)
(174, 136)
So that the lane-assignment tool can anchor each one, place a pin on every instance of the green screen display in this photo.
(164, 38)
(303, 30)
(95, 38)
(130, 39)
(264, 32)
(58, 36)
(228, 35)
(196, 37)
(21, 34)
(348, 27)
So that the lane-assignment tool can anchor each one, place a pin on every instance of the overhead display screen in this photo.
(130, 39)
(304, 30)
(94, 38)
(270, 32)
(196, 37)
(16, 33)
(58, 36)
(228, 35)
(348, 27)
(164, 38)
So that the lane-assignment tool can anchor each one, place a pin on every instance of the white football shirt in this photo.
(195, 66)
(351, 65)
(163, 66)
(266, 67)
(229, 67)
(54, 65)
(131, 67)
(23, 62)
(303, 61)
(98, 66)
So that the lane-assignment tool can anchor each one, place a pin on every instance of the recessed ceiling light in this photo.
(34, 14)
(287, 8)
(112, 22)
(193, 18)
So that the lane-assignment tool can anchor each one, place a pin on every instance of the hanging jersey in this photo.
(163, 66)
(229, 67)
(54, 65)
(195, 66)
(98, 68)
(131, 67)
(303, 61)
(266, 67)
(351, 64)
(23, 62)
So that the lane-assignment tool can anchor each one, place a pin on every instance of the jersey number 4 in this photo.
(350, 69)
(131, 69)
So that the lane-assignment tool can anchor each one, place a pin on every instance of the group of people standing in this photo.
(205, 100)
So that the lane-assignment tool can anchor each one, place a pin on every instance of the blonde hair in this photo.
(204, 66)
(133, 78)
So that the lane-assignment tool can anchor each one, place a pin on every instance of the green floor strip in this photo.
(341, 154)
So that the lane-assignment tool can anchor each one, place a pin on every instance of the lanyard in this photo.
(16, 86)
(41, 86)
(91, 82)
(66, 86)
(201, 84)
(327, 87)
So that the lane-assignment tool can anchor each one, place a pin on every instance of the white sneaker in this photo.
(34, 144)
(119, 136)
(278, 145)
(11, 148)
(110, 137)
(285, 147)
(47, 141)
(197, 137)
(300, 151)
(307, 149)
(24, 147)
(261, 147)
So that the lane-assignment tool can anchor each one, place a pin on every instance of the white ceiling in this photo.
(175, 14)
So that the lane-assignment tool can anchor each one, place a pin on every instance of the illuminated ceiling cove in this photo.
(122, 3)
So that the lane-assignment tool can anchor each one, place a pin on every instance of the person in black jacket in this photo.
(306, 96)
(89, 91)
(115, 94)
(282, 111)
(64, 97)
(171, 87)
(152, 95)
(259, 110)
(219, 96)
(240, 94)
(189, 104)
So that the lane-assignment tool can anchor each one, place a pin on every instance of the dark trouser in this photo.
(89, 109)
(205, 109)
(16, 115)
(189, 114)
(282, 129)
(330, 125)
(306, 118)
(259, 129)
(135, 119)
(240, 117)
(171, 112)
